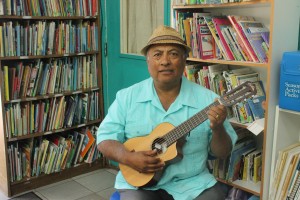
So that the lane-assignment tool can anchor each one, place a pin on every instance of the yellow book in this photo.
(46, 144)
(257, 169)
(187, 31)
(59, 113)
(6, 84)
(32, 122)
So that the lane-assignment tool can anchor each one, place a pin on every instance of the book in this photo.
(252, 77)
(187, 31)
(191, 72)
(232, 44)
(205, 41)
(79, 143)
(215, 34)
(242, 174)
(220, 24)
(290, 168)
(253, 31)
(295, 183)
(87, 143)
(216, 79)
(235, 158)
(255, 105)
(6, 85)
(230, 76)
(234, 19)
(238, 43)
(284, 158)
(43, 158)
(257, 168)
(260, 90)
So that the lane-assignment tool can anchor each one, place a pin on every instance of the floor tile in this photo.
(113, 171)
(106, 193)
(98, 181)
(27, 196)
(40, 195)
(87, 174)
(93, 196)
(67, 191)
(53, 184)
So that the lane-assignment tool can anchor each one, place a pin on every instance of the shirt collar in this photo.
(185, 97)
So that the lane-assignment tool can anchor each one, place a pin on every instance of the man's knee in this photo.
(214, 193)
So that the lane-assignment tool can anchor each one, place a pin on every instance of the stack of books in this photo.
(236, 38)
(286, 179)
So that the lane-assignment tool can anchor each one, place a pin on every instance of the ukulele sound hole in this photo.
(160, 145)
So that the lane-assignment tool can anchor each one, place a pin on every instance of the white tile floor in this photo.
(96, 185)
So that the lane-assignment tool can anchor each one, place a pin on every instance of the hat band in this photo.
(165, 37)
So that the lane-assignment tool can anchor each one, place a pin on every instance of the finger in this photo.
(151, 153)
(213, 115)
(154, 167)
(153, 161)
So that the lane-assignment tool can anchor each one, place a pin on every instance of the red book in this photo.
(242, 37)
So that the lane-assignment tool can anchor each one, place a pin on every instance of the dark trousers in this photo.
(214, 193)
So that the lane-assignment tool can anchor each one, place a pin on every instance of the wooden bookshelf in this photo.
(80, 48)
(269, 13)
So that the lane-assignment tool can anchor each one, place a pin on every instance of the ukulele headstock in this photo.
(238, 94)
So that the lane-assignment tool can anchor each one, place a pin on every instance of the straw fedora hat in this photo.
(165, 35)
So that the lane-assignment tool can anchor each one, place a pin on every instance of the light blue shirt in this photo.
(137, 111)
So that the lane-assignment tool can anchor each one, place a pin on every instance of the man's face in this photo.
(166, 63)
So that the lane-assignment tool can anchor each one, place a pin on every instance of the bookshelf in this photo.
(50, 88)
(286, 133)
(269, 13)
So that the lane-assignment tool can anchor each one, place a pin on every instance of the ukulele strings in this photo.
(185, 127)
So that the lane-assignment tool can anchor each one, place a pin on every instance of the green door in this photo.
(120, 70)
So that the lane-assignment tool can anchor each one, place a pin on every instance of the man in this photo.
(166, 96)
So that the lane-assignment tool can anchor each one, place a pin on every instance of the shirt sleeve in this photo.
(112, 127)
(230, 131)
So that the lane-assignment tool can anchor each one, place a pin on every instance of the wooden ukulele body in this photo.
(145, 143)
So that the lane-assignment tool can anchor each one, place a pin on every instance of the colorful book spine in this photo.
(242, 36)
(6, 85)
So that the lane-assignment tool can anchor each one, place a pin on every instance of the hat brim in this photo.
(145, 49)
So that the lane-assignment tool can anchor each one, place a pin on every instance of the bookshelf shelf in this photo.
(233, 63)
(51, 100)
(48, 56)
(248, 186)
(289, 111)
(268, 12)
(34, 135)
(254, 3)
(235, 123)
(12, 17)
(48, 96)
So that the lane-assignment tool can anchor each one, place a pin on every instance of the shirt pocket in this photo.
(196, 141)
(137, 130)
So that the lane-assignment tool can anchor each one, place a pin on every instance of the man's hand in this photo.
(217, 115)
(145, 161)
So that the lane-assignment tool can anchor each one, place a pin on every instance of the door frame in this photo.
(109, 86)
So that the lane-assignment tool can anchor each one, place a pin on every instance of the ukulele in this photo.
(167, 139)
